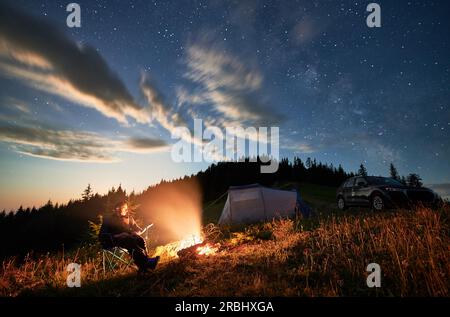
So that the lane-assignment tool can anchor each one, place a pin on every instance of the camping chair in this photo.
(115, 256)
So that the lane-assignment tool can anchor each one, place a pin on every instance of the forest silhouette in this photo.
(55, 227)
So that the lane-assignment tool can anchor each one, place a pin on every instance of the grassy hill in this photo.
(326, 256)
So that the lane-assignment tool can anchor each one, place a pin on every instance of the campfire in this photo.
(190, 246)
(200, 249)
(206, 249)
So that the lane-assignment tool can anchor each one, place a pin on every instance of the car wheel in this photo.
(341, 203)
(377, 203)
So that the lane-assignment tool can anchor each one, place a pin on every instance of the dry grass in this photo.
(280, 258)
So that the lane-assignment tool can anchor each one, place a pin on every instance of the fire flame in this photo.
(170, 250)
(189, 242)
(206, 250)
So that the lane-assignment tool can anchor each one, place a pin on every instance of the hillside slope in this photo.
(323, 257)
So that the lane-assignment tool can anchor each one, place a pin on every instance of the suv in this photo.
(382, 192)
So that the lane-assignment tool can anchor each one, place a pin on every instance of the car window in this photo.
(349, 183)
(360, 180)
(383, 181)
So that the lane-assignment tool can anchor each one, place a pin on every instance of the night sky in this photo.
(97, 104)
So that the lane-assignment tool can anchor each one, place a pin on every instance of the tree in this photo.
(49, 204)
(362, 170)
(414, 180)
(53, 225)
(87, 193)
(403, 180)
(393, 172)
(308, 163)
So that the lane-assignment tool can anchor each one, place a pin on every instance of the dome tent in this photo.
(253, 203)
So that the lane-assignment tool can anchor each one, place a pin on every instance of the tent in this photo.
(253, 203)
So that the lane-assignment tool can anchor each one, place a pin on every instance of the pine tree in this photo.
(362, 170)
(393, 172)
(308, 163)
(403, 180)
(87, 193)
(414, 180)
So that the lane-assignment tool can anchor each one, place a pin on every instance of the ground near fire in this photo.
(326, 255)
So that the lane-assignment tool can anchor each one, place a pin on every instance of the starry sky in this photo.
(97, 104)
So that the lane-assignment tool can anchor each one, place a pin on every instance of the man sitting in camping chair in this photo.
(120, 230)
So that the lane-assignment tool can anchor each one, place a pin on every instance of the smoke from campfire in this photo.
(175, 209)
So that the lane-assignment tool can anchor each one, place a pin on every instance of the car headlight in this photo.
(393, 189)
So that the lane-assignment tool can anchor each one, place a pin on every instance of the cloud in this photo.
(216, 69)
(299, 147)
(41, 55)
(145, 143)
(228, 84)
(184, 97)
(16, 104)
(71, 145)
(240, 107)
(159, 109)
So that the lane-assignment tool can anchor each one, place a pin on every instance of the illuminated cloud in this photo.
(71, 145)
(216, 69)
(158, 108)
(144, 144)
(48, 60)
(228, 84)
(16, 104)
(299, 147)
